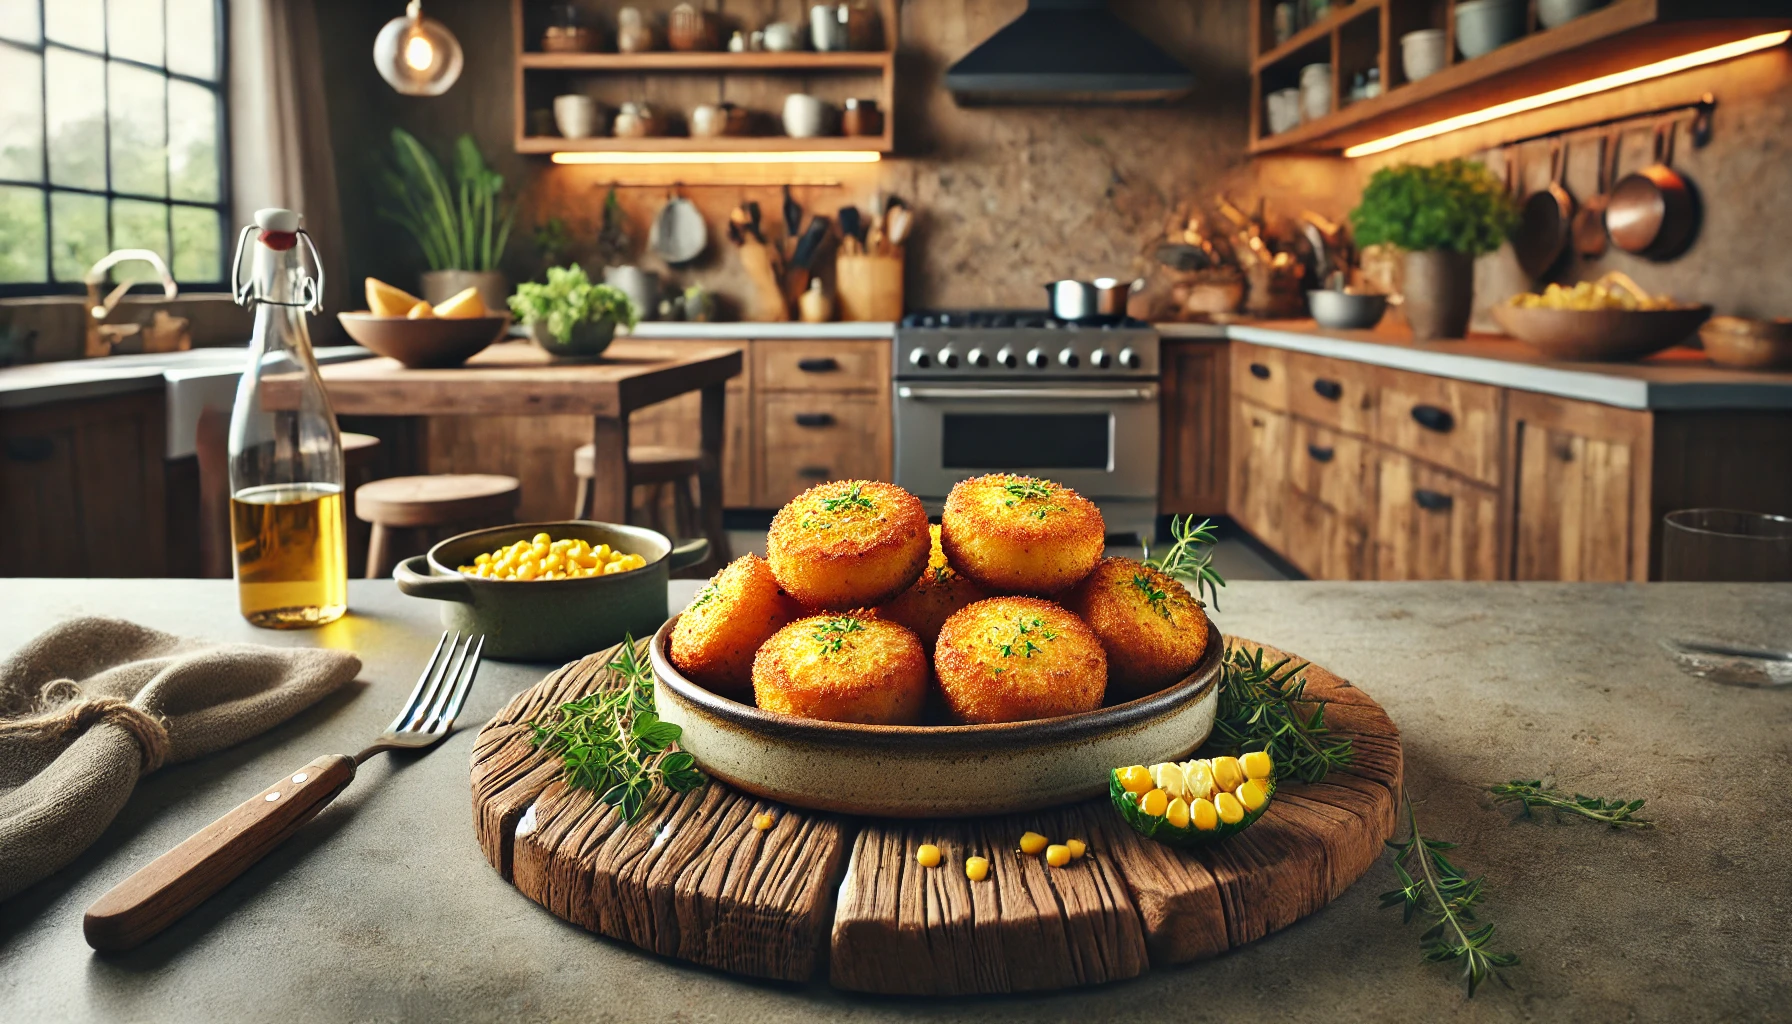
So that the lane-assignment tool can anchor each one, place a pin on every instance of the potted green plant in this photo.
(1441, 217)
(570, 316)
(462, 225)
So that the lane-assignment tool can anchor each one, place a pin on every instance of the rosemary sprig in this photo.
(832, 633)
(1190, 558)
(1541, 793)
(1265, 707)
(1431, 885)
(612, 743)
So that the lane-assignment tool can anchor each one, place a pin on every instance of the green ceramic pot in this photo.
(588, 340)
(550, 620)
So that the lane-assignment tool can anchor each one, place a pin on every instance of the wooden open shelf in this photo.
(674, 82)
(1622, 35)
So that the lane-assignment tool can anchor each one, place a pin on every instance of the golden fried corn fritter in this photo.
(849, 667)
(719, 632)
(1020, 534)
(926, 606)
(1153, 630)
(848, 544)
(1013, 659)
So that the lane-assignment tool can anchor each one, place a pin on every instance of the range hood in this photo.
(1067, 51)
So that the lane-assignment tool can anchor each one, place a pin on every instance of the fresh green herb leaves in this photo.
(1026, 631)
(1026, 488)
(851, 498)
(569, 299)
(613, 744)
(1190, 558)
(704, 596)
(1265, 707)
(1157, 599)
(832, 633)
(1456, 205)
(1541, 793)
(1431, 885)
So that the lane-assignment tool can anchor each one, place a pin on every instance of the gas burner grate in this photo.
(1000, 319)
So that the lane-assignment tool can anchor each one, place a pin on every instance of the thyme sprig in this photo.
(832, 633)
(1190, 558)
(1431, 885)
(1022, 642)
(850, 499)
(1265, 707)
(1026, 488)
(1533, 794)
(1154, 597)
(613, 744)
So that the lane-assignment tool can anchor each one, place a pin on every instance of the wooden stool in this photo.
(423, 506)
(360, 456)
(661, 468)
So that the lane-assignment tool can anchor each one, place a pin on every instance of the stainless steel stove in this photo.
(986, 391)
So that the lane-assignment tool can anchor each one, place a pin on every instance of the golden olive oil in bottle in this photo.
(287, 534)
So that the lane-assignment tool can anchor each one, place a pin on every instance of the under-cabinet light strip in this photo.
(1604, 83)
(631, 158)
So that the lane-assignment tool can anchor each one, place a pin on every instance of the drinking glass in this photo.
(1727, 546)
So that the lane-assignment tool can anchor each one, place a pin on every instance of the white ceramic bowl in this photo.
(1560, 12)
(1315, 91)
(1422, 53)
(1483, 26)
(1283, 110)
(933, 771)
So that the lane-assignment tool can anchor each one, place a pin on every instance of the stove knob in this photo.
(948, 358)
(1099, 359)
(1068, 359)
(1129, 359)
(1006, 357)
(977, 357)
(919, 358)
(1037, 359)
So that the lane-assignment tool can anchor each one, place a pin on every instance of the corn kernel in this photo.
(525, 572)
(1197, 778)
(1168, 778)
(1227, 773)
(1155, 803)
(540, 538)
(613, 568)
(554, 561)
(481, 558)
(1204, 815)
(1135, 779)
(1032, 842)
(762, 821)
(928, 855)
(603, 551)
(1231, 811)
(1077, 848)
(976, 868)
(1253, 794)
(1057, 856)
(1257, 764)
(1177, 813)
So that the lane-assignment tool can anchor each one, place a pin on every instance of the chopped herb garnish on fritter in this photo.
(848, 499)
(1025, 632)
(832, 633)
(1023, 489)
(1157, 599)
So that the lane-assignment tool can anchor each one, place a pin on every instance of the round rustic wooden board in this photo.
(693, 879)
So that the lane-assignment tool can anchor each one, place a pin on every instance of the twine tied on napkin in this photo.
(92, 705)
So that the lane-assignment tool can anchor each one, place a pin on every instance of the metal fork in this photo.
(166, 888)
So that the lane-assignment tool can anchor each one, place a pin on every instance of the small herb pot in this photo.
(588, 340)
(550, 620)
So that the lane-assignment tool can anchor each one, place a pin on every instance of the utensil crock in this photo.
(550, 620)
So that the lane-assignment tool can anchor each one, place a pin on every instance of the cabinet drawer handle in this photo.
(1330, 390)
(1432, 501)
(1432, 418)
(1259, 371)
(818, 364)
(29, 449)
(815, 472)
(814, 419)
(1320, 454)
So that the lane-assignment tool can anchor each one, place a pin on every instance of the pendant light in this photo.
(418, 56)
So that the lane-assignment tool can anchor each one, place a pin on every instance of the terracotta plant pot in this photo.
(1440, 292)
(494, 289)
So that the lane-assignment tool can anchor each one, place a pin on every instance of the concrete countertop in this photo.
(745, 331)
(383, 908)
(1678, 379)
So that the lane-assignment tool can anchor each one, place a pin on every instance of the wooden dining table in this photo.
(519, 379)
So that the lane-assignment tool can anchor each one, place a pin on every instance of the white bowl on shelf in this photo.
(1560, 12)
(1423, 53)
(1283, 110)
(1315, 91)
(1483, 26)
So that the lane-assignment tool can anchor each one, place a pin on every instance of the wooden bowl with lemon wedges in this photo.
(401, 326)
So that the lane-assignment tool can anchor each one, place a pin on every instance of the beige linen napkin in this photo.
(92, 705)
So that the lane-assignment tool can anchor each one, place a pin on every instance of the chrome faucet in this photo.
(166, 333)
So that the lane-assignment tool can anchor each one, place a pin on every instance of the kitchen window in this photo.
(112, 136)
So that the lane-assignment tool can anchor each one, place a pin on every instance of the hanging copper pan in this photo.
(1652, 212)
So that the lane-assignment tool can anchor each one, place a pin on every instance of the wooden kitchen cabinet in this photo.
(1329, 525)
(1450, 423)
(1432, 525)
(1581, 476)
(1333, 392)
(1195, 419)
(1260, 375)
(82, 488)
(1259, 471)
(813, 438)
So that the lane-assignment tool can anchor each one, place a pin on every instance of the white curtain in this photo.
(280, 135)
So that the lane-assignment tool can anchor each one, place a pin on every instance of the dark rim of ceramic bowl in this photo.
(439, 568)
(1066, 728)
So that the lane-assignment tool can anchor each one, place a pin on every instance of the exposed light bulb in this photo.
(417, 56)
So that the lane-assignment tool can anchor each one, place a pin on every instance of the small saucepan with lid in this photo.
(1102, 300)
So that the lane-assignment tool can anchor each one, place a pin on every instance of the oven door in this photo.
(1099, 438)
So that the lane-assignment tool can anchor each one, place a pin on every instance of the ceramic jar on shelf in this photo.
(1315, 91)
(633, 32)
(576, 116)
(805, 117)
